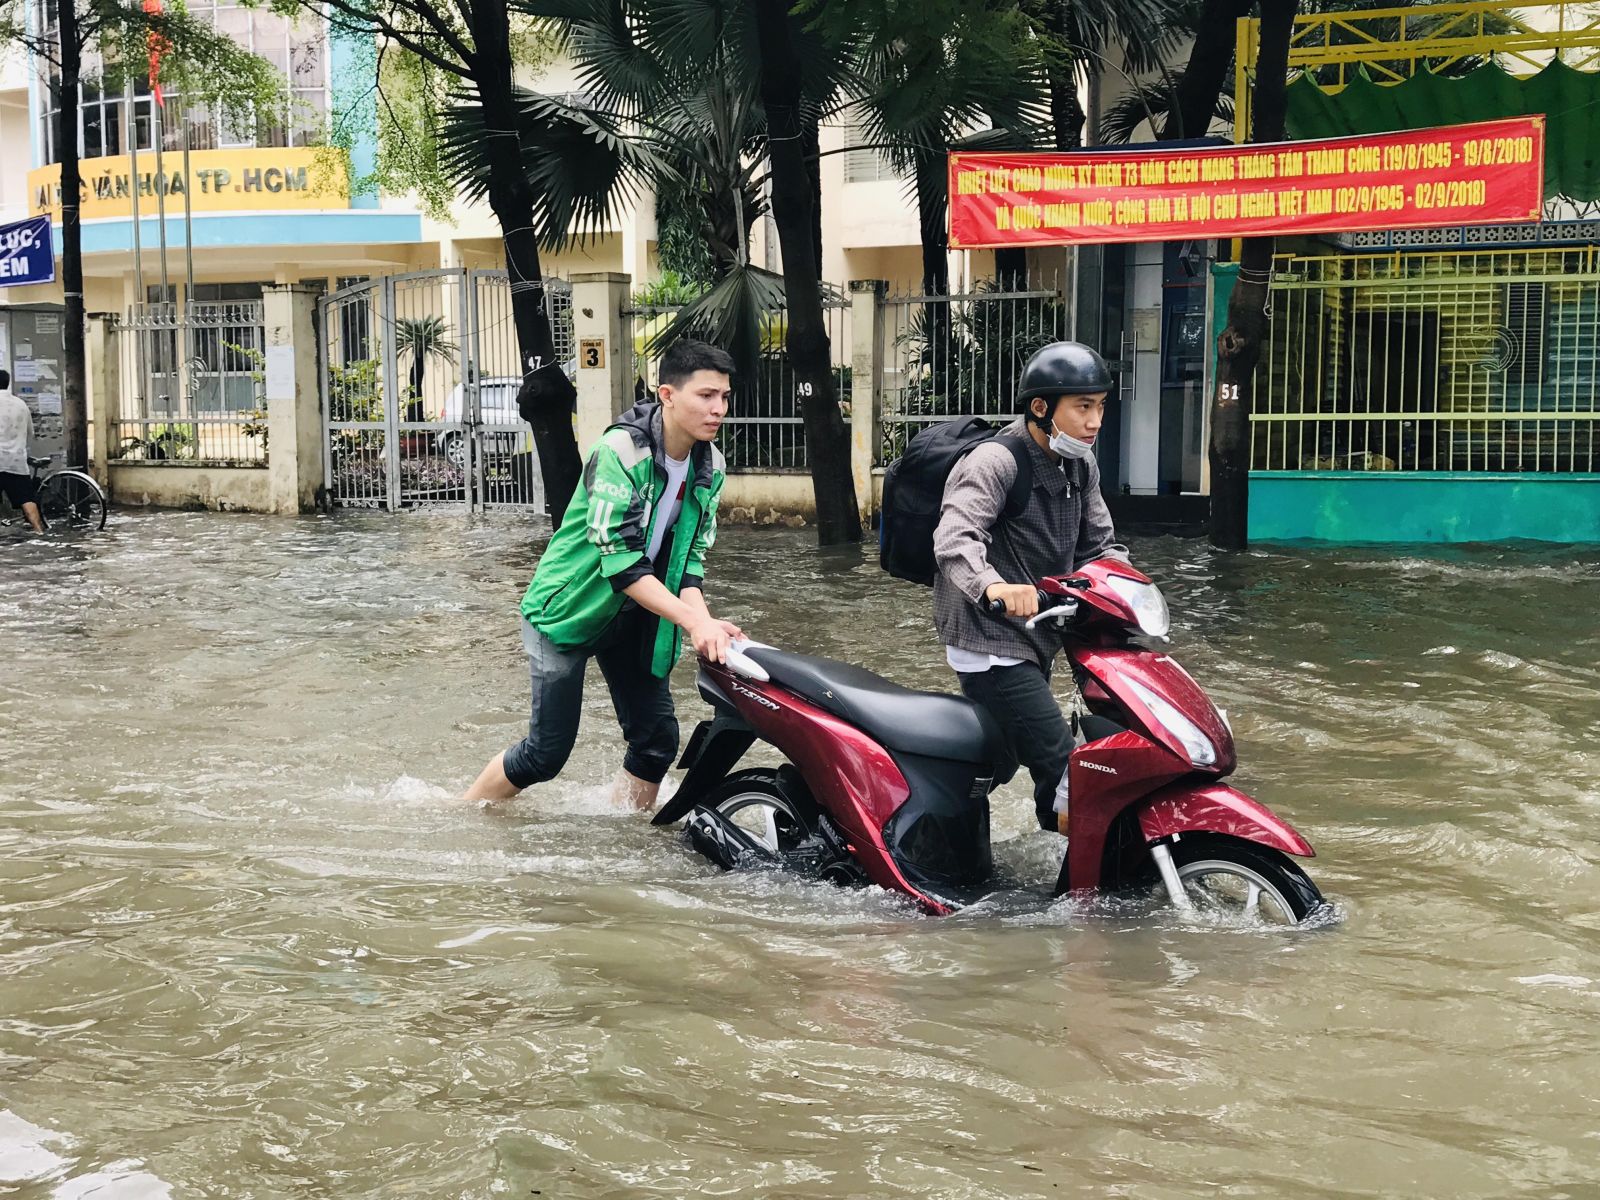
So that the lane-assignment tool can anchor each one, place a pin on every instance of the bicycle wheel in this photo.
(73, 499)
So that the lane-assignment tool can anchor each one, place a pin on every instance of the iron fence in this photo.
(764, 429)
(193, 385)
(1472, 361)
(420, 374)
(959, 355)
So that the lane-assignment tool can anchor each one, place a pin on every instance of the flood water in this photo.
(250, 945)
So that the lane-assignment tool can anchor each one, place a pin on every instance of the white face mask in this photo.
(1068, 446)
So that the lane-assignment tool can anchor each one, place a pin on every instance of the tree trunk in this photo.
(1061, 73)
(1239, 347)
(1066, 113)
(1207, 72)
(75, 374)
(811, 140)
(419, 367)
(933, 205)
(1048, 20)
(727, 240)
(720, 220)
(547, 397)
(838, 514)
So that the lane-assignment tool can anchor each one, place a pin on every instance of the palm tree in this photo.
(798, 86)
(695, 93)
(930, 73)
(422, 338)
(679, 73)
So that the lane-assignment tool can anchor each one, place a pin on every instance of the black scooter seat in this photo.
(926, 723)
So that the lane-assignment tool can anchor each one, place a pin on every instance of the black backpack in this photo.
(913, 491)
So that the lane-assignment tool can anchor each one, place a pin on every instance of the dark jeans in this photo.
(643, 704)
(1037, 735)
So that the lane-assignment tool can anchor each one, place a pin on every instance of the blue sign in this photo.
(26, 255)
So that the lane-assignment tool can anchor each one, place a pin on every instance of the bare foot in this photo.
(491, 785)
(629, 791)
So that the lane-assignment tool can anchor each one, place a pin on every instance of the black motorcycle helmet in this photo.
(1062, 369)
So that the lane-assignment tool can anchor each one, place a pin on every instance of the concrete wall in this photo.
(773, 499)
(292, 479)
(222, 489)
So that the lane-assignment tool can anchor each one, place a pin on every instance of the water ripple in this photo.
(251, 944)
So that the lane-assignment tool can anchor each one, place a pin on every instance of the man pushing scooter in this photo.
(621, 581)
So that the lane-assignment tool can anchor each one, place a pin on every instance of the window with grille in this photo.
(297, 48)
(1525, 323)
(865, 163)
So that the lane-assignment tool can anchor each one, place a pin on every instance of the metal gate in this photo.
(420, 374)
(192, 384)
(1452, 361)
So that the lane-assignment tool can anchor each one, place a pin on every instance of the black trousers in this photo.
(1037, 735)
(643, 704)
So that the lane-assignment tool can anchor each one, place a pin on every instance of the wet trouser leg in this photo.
(644, 710)
(1037, 735)
(642, 702)
(556, 678)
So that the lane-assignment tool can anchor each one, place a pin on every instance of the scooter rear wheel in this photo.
(756, 803)
(1240, 880)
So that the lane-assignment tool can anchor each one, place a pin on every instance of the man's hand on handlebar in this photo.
(1020, 599)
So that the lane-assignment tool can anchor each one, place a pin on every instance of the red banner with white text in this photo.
(1491, 171)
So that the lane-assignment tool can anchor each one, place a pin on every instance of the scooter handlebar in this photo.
(998, 607)
(1058, 608)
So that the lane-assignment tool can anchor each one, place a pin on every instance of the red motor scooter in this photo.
(890, 786)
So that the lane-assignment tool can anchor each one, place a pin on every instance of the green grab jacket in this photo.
(599, 548)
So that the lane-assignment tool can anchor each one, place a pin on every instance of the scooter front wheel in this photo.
(1239, 880)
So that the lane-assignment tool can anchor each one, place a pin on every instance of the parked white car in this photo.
(504, 431)
(497, 406)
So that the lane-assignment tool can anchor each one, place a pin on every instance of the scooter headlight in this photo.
(1195, 743)
(1148, 604)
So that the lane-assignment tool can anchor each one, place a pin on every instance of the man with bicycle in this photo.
(16, 476)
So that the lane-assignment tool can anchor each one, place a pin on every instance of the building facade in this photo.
(182, 206)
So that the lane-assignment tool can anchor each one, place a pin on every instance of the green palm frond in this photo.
(732, 314)
(423, 337)
(1123, 116)
(582, 168)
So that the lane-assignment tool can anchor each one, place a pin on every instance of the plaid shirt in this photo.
(1065, 525)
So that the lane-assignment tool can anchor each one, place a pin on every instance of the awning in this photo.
(1569, 99)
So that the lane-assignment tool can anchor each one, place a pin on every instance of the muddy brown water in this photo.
(250, 946)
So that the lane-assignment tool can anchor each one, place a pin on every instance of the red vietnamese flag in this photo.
(157, 46)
